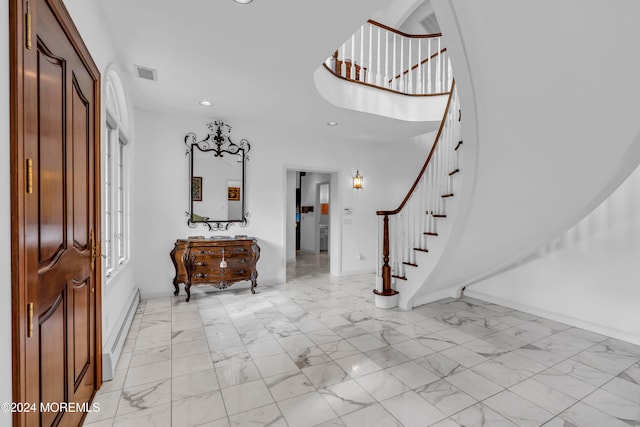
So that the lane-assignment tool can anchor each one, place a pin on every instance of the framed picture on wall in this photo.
(196, 188)
(234, 193)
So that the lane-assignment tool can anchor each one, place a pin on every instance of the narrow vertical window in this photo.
(115, 174)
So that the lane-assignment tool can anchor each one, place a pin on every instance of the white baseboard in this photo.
(113, 346)
(558, 317)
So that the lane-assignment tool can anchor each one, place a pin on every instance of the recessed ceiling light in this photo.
(332, 123)
(243, 1)
(206, 103)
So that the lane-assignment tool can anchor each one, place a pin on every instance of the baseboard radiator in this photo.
(113, 346)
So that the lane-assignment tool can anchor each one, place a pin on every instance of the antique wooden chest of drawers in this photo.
(220, 262)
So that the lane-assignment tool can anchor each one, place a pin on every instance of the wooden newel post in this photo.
(386, 268)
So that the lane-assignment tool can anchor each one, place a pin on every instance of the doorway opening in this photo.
(309, 226)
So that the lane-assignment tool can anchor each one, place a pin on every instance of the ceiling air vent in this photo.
(146, 73)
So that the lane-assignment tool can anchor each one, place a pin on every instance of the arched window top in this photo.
(116, 103)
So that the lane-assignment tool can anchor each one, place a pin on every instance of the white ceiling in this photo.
(254, 62)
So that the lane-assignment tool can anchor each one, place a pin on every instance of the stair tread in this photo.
(399, 277)
(421, 249)
(439, 216)
(409, 263)
(430, 233)
(447, 195)
(453, 172)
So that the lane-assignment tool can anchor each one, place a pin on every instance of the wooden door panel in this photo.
(80, 329)
(53, 363)
(50, 162)
(81, 166)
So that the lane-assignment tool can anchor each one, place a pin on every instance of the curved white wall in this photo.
(554, 135)
(588, 277)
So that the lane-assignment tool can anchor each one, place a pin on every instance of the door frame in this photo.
(19, 273)
(335, 214)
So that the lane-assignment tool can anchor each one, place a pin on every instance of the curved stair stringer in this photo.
(431, 284)
(351, 95)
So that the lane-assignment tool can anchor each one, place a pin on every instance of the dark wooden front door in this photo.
(60, 220)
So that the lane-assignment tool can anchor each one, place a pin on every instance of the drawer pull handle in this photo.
(238, 250)
(243, 260)
(200, 264)
(200, 275)
(241, 271)
(206, 253)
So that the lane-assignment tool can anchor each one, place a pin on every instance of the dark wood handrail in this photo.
(411, 36)
(380, 87)
(424, 61)
(426, 163)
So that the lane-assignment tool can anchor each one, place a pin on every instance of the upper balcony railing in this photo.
(389, 59)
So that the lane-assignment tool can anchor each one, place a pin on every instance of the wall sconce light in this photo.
(357, 181)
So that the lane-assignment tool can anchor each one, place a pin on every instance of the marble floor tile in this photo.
(446, 397)
(237, 373)
(289, 385)
(412, 410)
(371, 416)
(564, 383)
(387, 356)
(412, 374)
(474, 384)
(382, 385)
(521, 411)
(325, 375)
(620, 386)
(199, 409)
(583, 415)
(278, 364)
(159, 416)
(194, 383)
(480, 415)
(358, 365)
(412, 349)
(144, 397)
(440, 365)
(193, 363)
(339, 349)
(464, 356)
(614, 405)
(347, 397)
(546, 397)
(306, 410)
(366, 342)
(268, 415)
(308, 356)
(316, 351)
(244, 397)
(148, 373)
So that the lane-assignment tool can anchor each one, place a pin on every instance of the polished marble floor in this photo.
(315, 351)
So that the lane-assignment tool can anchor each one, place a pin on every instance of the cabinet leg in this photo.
(175, 285)
(187, 288)
(253, 285)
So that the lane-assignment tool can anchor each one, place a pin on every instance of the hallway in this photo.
(315, 351)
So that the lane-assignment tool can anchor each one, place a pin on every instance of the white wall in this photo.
(5, 218)
(161, 177)
(589, 276)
